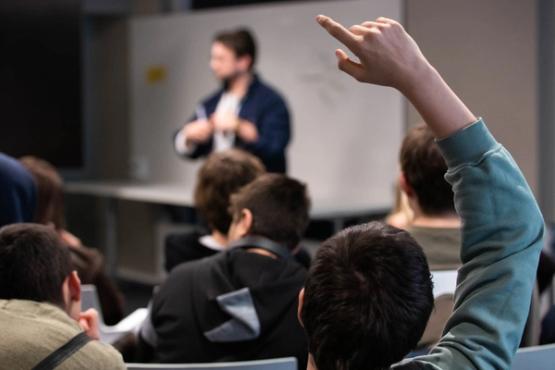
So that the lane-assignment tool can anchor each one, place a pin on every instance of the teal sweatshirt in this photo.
(501, 241)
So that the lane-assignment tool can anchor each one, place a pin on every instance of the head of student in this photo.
(422, 174)
(367, 298)
(233, 54)
(221, 175)
(34, 266)
(50, 191)
(273, 206)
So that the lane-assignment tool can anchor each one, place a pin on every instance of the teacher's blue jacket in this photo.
(264, 107)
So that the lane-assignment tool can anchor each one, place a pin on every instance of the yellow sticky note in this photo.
(155, 74)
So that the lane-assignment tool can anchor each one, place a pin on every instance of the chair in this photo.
(110, 334)
(286, 363)
(537, 358)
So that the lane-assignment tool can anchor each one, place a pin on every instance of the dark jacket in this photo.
(17, 192)
(233, 306)
(185, 247)
(264, 107)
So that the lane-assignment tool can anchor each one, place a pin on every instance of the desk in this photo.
(182, 195)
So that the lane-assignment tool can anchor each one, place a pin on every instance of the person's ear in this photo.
(300, 307)
(245, 222)
(244, 63)
(241, 225)
(74, 285)
(405, 186)
(72, 295)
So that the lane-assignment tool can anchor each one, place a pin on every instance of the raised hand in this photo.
(389, 56)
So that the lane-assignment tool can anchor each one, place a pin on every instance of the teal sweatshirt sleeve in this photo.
(502, 236)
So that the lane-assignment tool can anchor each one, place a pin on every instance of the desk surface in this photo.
(182, 195)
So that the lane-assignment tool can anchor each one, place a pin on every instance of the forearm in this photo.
(436, 102)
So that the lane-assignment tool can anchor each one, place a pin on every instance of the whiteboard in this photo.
(346, 135)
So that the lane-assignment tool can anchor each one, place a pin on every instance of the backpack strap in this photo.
(63, 353)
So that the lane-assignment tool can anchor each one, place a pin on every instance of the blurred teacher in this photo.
(244, 113)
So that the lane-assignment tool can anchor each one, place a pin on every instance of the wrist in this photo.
(418, 79)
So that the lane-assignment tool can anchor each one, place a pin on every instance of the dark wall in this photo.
(40, 79)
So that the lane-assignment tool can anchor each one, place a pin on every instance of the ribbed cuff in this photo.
(467, 145)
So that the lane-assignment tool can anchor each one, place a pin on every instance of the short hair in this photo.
(368, 297)
(221, 175)
(241, 41)
(50, 191)
(424, 168)
(280, 207)
(33, 263)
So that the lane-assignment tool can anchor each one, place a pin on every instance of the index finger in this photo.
(338, 31)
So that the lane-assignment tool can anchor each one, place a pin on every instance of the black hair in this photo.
(33, 263)
(241, 41)
(279, 205)
(368, 297)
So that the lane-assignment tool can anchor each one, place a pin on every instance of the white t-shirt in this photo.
(228, 103)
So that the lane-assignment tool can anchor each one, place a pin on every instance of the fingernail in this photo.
(320, 18)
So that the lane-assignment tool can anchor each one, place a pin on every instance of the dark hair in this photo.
(33, 263)
(241, 41)
(221, 175)
(50, 191)
(424, 168)
(368, 297)
(279, 206)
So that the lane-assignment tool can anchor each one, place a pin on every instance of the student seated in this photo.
(368, 294)
(221, 175)
(435, 224)
(40, 305)
(240, 304)
(88, 262)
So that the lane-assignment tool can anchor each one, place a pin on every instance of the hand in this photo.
(198, 131)
(225, 122)
(388, 55)
(88, 321)
(247, 131)
(69, 239)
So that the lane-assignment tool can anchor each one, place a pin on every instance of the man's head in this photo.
(273, 206)
(233, 54)
(367, 298)
(223, 174)
(50, 191)
(35, 266)
(423, 169)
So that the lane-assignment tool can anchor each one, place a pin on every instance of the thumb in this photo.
(83, 322)
(348, 66)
